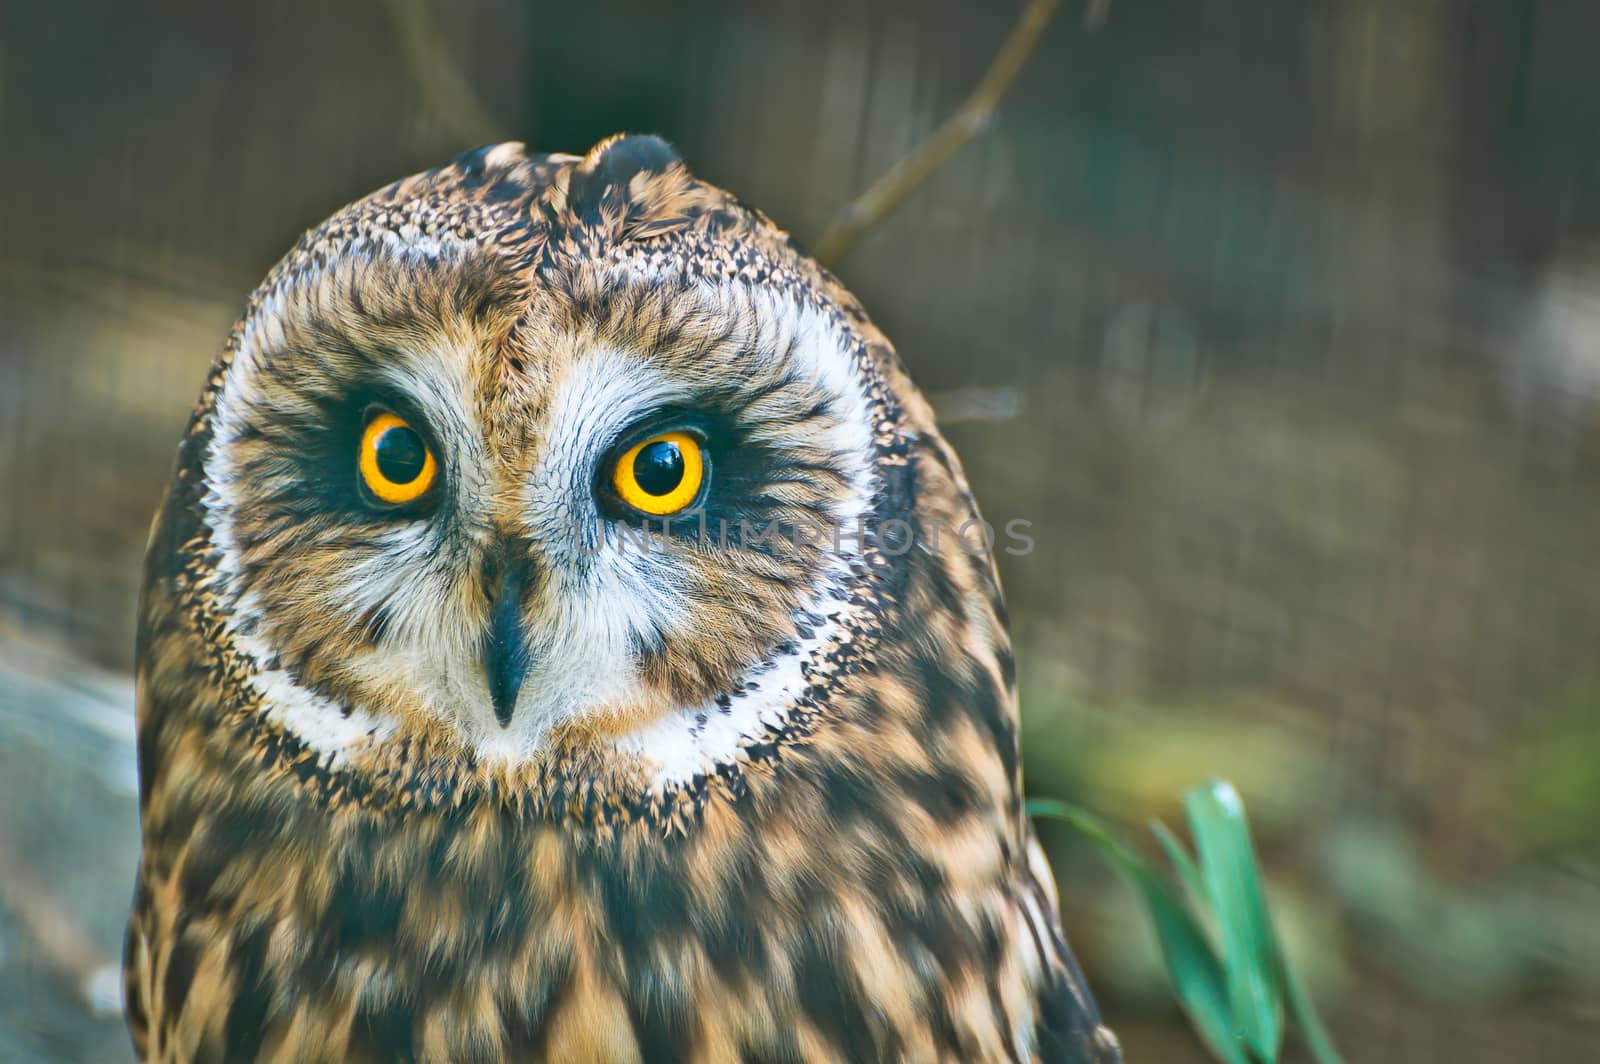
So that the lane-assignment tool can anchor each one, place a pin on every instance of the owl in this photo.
(563, 639)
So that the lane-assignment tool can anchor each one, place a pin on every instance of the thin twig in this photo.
(892, 189)
(956, 405)
(445, 89)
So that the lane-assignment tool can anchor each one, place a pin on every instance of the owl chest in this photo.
(456, 942)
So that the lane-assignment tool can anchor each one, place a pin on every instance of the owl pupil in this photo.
(400, 455)
(658, 467)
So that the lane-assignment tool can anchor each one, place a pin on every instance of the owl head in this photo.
(548, 469)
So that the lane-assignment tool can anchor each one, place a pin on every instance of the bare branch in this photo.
(445, 89)
(894, 187)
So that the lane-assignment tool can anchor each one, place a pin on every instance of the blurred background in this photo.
(1278, 319)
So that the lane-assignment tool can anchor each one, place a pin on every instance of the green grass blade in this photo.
(1192, 966)
(1194, 886)
(1304, 1011)
(1250, 958)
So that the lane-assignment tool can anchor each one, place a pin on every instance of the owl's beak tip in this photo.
(503, 705)
(505, 655)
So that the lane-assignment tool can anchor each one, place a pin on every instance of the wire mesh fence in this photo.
(1279, 322)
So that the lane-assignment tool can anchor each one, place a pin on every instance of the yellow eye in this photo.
(661, 475)
(396, 466)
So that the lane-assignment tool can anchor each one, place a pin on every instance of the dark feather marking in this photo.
(783, 1050)
(247, 1013)
(181, 963)
(383, 1032)
(524, 1018)
(839, 1011)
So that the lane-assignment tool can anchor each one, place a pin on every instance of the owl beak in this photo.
(505, 652)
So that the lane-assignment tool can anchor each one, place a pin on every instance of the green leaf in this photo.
(1197, 978)
(1250, 957)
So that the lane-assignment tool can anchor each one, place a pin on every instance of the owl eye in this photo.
(661, 475)
(396, 465)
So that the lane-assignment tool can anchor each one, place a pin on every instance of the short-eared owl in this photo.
(559, 642)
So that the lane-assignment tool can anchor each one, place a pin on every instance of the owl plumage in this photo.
(486, 774)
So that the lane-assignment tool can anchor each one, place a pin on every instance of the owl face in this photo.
(528, 457)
